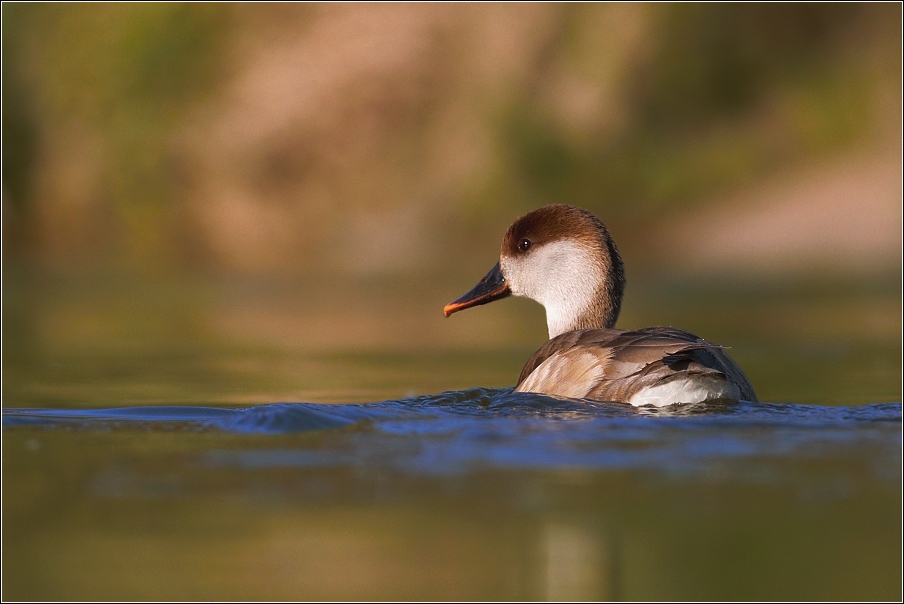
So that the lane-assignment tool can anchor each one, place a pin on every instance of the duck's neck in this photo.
(596, 313)
(593, 302)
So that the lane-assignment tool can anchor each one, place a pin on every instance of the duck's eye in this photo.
(524, 245)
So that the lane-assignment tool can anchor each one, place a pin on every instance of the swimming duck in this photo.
(564, 258)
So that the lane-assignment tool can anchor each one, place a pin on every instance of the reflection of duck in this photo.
(564, 258)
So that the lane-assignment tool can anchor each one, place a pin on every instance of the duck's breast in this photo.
(571, 373)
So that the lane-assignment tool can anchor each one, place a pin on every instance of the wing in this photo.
(613, 364)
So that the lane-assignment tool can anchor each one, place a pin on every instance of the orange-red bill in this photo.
(491, 287)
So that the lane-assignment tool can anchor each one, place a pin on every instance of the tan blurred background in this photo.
(403, 139)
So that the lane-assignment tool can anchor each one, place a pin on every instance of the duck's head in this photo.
(562, 257)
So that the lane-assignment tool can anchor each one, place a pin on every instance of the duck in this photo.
(564, 258)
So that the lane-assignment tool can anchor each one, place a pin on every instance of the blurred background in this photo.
(323, 177)
(232, 204)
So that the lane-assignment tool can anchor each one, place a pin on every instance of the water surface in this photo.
(187, 443)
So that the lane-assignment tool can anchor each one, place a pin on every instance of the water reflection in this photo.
(471, 495)
(579, 565)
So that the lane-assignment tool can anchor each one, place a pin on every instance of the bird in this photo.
(564, 258)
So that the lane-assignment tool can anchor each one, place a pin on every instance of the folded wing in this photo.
(619, 365)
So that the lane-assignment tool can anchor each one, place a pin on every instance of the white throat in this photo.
(564, 276)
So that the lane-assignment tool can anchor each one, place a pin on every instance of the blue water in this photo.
(457, 432)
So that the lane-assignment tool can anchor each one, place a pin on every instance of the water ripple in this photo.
(460, 431)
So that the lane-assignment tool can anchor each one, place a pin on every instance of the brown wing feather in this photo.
(594, 338)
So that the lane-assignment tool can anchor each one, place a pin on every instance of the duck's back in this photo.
(654, 365)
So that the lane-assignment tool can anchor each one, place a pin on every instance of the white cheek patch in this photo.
(563, 276)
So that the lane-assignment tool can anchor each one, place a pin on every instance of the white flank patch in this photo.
(686, 390)
(561, 275)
